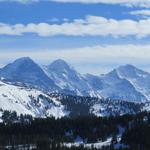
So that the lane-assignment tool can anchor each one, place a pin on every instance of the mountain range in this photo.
(126, 83)
(27, 84)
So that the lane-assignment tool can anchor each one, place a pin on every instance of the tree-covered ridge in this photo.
(86, 105)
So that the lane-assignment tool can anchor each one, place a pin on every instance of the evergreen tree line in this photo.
(50, 133)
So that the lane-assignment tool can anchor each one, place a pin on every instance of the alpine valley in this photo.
(59, 90)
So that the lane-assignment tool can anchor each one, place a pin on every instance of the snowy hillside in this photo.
(79, 105)
(29, 101)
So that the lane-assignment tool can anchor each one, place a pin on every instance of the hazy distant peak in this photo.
(60, 65)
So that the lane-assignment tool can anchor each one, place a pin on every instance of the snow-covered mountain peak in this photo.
(137, 77)
(60, 69)
(60, 66)
(25, 70)
(131, 71)
(24, 60)
(24, 63)
(21, 63)
(66, 77)
(127, 66)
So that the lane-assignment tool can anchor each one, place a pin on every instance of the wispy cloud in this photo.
(143, 13)
(91, 26)
(22, 1)
(139, 3)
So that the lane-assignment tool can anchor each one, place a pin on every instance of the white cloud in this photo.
(91, 25)
(128, 2)
(53, 20)
(20, 1)
(143, 13)
(140, 3)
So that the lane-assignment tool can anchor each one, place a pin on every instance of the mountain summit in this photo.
(139, 78)
(59, 65)
(66, 77)
(25, 70)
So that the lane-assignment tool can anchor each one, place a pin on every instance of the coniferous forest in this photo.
(24, 132)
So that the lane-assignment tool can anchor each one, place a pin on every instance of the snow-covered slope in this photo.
(25, 100)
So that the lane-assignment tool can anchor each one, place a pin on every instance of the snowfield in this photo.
(29, 101)
(99, 144)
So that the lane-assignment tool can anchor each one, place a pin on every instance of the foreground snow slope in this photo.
(25, 100)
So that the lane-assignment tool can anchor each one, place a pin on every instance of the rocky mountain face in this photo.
(25, 70)
(67, 78)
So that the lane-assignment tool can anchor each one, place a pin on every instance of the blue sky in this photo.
(93, 36)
